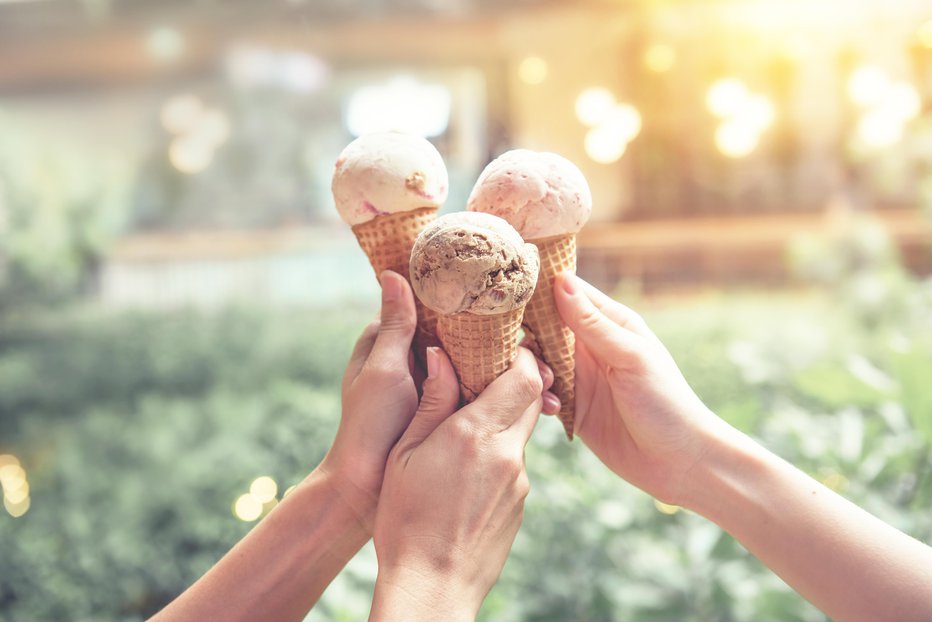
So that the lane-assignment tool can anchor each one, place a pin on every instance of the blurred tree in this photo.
(60, 205)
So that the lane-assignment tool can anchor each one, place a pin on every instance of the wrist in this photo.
(359, 503)
(413, 594)
(727, 472)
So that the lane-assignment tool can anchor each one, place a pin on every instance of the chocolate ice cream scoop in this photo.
(474, 263)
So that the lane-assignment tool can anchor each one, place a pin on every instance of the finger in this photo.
(361, 351)
(398, 319)
(620, 314)
(546, 374)
(440, 399)
(602, 336)
(524, 425)
(550, 403)
(506, 398)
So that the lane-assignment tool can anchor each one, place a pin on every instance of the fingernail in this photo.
(391, 288)
(551, 403)
(569, 284)
(433, 362)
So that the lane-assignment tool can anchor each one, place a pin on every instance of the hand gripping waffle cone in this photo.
(547, 199)
(481, 347)
(387, 241)
(550, 339)
(388, 187)
(477, 273)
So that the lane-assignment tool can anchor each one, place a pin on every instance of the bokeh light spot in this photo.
(16, 495)
(625, 121)
(190, 154)
(165, 44)
(247, 508)
(666, 508)
(403, 104)
(736, 138)
(593, 105)
(12, 476)
(660, 58)
(867, 85)
(604, 145)
(181, 113)
(879, 128)
(903, 100)
(924, 34)
(263, 489)
(726, 97)
(533, 70)
(17, 509)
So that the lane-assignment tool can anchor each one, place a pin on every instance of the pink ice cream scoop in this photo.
(541, 194)
(386, 173)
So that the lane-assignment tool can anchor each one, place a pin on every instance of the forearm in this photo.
(280, 569)
(845, 561)
(419, 596)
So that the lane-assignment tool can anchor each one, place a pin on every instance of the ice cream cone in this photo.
(550, 339)
(478, 274)
(387, 241)
(480, 347)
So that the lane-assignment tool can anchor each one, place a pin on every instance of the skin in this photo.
(637, 413)
(282, 566)
(439, 557)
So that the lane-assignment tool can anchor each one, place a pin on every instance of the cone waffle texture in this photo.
(550, 338)
(480, 347)
(387, 240)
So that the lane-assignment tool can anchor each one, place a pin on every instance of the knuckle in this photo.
(398, 323)
(529, 384)
(509, 465)
(371, 329)
(467, 437)
(522, 485)
(589, 318)
(384, 374)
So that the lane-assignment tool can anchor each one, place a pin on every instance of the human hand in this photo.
(634, 408)
(453, 495)
(379, 399)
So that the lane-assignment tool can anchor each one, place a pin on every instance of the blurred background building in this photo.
(193, 142)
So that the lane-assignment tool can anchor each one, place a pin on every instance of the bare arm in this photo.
(845, 561)
(280, 569)
(639, 415)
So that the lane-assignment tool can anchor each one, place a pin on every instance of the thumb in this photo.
(398, 318)
(440, 399)
(604, 338)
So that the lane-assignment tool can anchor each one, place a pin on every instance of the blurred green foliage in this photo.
(61, 203)
(138, 432)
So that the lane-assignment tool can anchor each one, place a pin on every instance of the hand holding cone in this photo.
(477, 273)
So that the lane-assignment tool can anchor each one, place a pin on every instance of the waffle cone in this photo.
(387, 241)
(550, 339)
(480, 347)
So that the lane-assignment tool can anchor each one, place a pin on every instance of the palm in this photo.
(628, 421)
(372, 426)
